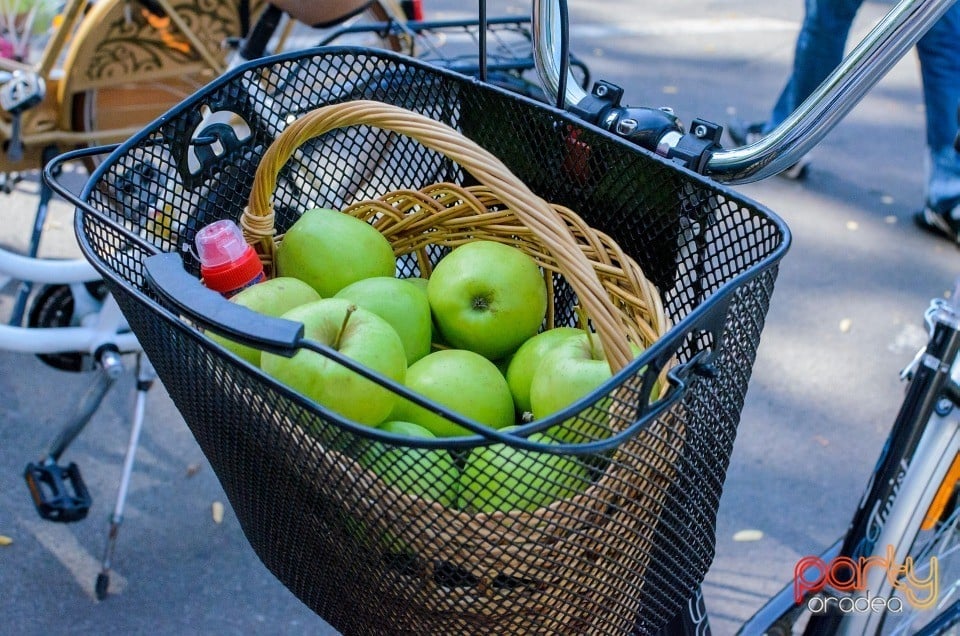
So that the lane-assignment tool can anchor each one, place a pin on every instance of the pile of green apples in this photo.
(468, 338)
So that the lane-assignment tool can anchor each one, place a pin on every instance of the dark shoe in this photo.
(743, 134)
(941, 223)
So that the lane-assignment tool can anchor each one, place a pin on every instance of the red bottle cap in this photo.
(227, 262)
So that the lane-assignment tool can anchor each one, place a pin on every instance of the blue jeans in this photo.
(819, 50)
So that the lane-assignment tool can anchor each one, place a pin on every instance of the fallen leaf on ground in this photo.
(216, 510)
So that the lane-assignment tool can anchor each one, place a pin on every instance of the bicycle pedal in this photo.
(58, 492)
(22, 91)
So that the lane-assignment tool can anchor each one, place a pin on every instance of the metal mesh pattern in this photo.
(633, 532)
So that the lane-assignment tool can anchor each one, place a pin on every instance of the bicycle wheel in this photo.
(941, 541)
(916, 585)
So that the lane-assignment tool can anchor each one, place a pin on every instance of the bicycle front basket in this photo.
(621, 553)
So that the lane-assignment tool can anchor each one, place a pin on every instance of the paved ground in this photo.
(846, 317)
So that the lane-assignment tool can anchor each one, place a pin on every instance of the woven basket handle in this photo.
(532, 211)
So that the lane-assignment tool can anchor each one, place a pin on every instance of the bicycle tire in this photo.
(55, 306)
(941, 540)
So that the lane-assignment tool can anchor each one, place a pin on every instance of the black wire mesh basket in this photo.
(620, 550)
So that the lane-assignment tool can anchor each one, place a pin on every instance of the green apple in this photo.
(487, 297)
(463, 381)
(400, 303)
(356, 333)
(500, 477)
(329, 250)
(575, 367)
(524, 362)
(422, 472)
(419, 281)
(436, 338)
(271, 297)
(437, 342)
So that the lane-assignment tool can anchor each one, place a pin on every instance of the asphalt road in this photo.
(846, 317)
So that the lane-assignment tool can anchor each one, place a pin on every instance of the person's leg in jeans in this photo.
(939, 53)
(819, 50)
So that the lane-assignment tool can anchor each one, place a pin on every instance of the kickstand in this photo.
(145, 377)
(58, 492)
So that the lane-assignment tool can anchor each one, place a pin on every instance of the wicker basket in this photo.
(547, 553)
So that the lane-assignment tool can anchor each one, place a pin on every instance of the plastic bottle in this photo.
(227, 263)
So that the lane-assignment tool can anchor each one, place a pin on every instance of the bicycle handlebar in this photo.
(889, 41)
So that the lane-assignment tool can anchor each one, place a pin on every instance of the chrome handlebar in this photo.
(889, 41)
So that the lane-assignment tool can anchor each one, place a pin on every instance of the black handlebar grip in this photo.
(166, 275)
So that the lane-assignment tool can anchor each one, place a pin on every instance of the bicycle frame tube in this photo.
(54, 48)
(51, 271)
(946, 619)
(108, 328)
(916, 412)
(889, 41)
(782, 604)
